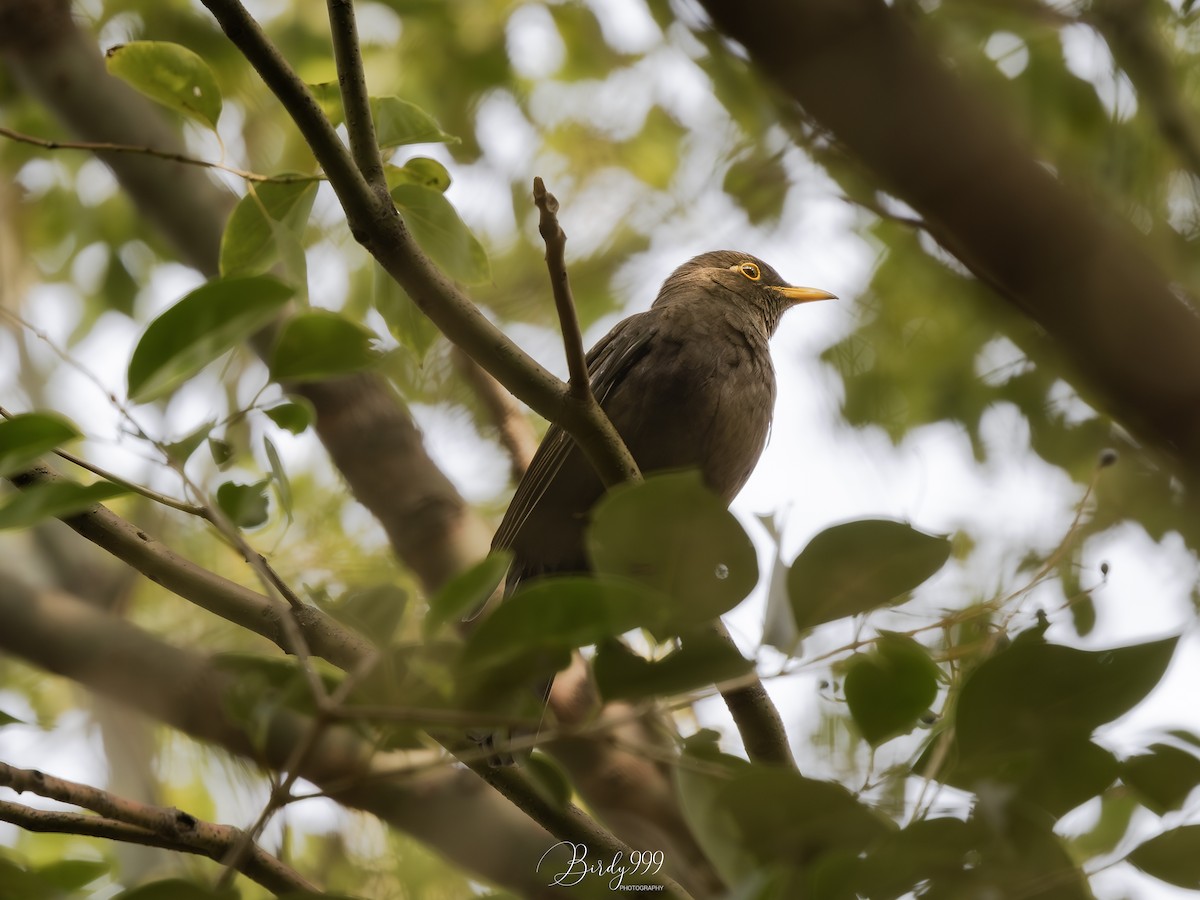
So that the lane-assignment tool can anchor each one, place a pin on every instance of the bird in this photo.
(687, 384)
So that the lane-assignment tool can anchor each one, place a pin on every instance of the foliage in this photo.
(940, 679)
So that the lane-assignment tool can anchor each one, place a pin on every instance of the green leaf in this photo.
(283, 487)
(466, 591)
(399, 122)
(221, 451)
(55, 499)
(889, 688)
(702, 660)
(859, 566)
(26, 437)
(170, 74)
(6, 719)
(1163, 777)
(421, 171)
(250, 244)
(294, 416)
(319, 344)
(1032, 692)
(199, 328)
(1173, 857)
(72, 874)
(180, 451)
(373, 611)
(566, 612)
(244, 504)
(407, 324)
(671, 533)
(700, 779)
(926, 850)
(783, 817)
(177, 889)
(436, 226)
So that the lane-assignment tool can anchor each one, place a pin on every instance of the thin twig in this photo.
(556, 242)
(105, 147)
(127, 820)
(347, 55)
(378, 227)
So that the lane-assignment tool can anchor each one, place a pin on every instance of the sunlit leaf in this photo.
(170, 74)
(421, 171)
(320, 344)
(54, 499)
(28, 436)
(436, 225)
(464, 593)
(407, 324)
(283, 486)
(399, 122)
(199, 328)
(250, 243)
(858, 566)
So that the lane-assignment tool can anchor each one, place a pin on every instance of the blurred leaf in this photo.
(1173, 857)
(180, 451)
(859, 566)
(783, 817)
(169, 74)
(295, 415)
(672, 534)
(548, 779)
(26, 437)
(1162, 777)
(1032, 691)
(54, 499)
(436, 226)
(222, 452)
(72, 874)
(890, 688)
(177, 889)
(1117, 807)
(399, 122)
(375, 612)
(283, 487)
(759, 185)
(244, 504)
(466, 591)
(199, 328)
(320, 344)
(249, 244)
(407, 324)
(701, 779)
(421, 171)
(6, 719)
(703, 659)
(925, 850)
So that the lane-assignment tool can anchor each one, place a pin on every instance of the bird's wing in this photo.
(608, 362)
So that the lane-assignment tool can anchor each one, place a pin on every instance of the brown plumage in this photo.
(688, 383)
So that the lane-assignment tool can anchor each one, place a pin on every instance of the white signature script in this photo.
(640, 862)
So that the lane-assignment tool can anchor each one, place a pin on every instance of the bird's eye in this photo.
(750, 270)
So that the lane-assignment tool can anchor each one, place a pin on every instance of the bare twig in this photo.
(171, 156)
(378, 227)
(556, 243)
(138, 823)
(352, 80)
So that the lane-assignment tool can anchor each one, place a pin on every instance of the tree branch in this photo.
(347, 54)
(227, 599)
(184, 690)
(556, 243)
(889, 100)
(379, 228)
(126, 820)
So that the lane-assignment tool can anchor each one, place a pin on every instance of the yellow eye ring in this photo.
(750, 270)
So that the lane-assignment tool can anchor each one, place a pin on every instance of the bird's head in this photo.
(733, 276)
